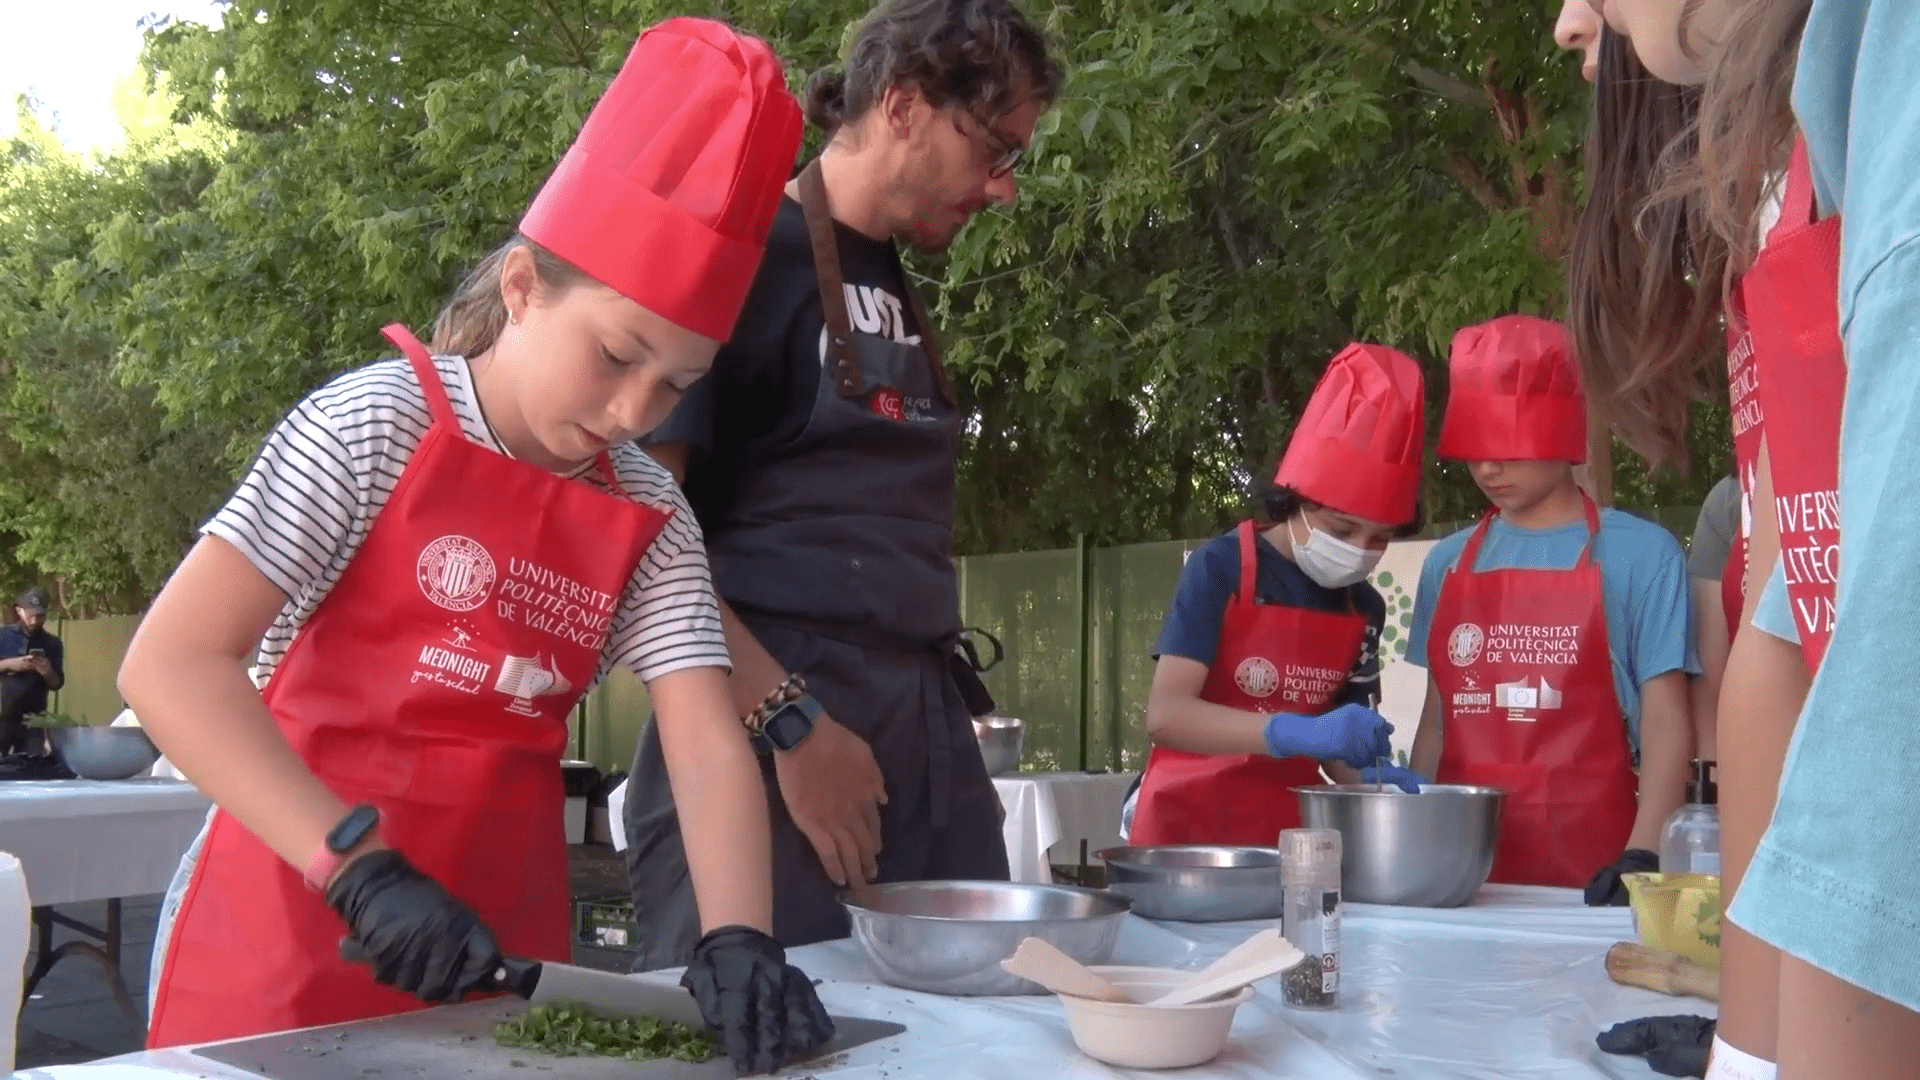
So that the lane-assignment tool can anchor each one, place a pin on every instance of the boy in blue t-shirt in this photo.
(1522, 696)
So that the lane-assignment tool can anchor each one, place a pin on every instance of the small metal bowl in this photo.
(1001, 739)
(1197, 883)
(948, 937)
(104, 753)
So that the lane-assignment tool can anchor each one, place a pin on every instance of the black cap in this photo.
(32, 600)
(1701, 787)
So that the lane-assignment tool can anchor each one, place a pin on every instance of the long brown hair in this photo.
(1644, 338)
(472, 319)
(1703, 204)
(974, 54)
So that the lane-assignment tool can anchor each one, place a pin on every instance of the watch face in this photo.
(352, 829)
(787, 727)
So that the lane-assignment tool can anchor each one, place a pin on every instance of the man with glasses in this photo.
(819, 456)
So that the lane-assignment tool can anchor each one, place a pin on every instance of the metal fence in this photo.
(1078, 625)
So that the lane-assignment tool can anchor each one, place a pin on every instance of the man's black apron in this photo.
(837, 554)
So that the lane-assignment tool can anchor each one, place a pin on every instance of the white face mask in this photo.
(1329, 560)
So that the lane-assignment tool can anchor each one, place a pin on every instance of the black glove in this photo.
(1606, 888)
(1672, 1045)
(763, 1007)
(416, 937)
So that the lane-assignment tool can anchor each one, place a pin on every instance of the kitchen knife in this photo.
(545, 982)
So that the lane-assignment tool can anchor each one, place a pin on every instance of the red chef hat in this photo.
(668, 191)
(1357, 446)
(1514, 394)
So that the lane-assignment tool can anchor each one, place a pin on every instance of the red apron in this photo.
(1792, 293)
(434, 681)
(1519, 659)
(1270, 658)
(1733, 587)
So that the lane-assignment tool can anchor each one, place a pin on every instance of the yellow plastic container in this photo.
(1677, 913)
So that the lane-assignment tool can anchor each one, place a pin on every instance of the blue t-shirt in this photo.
(1643, 581)
(1212, 575)
(1837, 843)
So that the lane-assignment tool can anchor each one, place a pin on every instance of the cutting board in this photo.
(455, 1042)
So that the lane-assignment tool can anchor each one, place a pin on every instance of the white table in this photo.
(1513, 986)
(81, 840)
(1054, 812)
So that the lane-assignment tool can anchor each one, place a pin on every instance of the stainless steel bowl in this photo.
(1001, 738)
(104, 753)
(1195, 883)
(948, 937)
(1433, 849)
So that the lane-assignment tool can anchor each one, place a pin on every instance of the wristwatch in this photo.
(341, 839)
(791, 723)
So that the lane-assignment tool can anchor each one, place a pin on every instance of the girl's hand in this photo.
(415, 935)
(764, 1008)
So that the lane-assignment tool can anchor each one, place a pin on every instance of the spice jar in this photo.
(1310, 915)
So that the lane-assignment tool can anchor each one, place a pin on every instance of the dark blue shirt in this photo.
(1212, 575)
(23, 693)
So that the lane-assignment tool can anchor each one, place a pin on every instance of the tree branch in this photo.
(1463, 172)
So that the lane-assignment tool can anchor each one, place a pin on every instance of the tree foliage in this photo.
(1228, 192)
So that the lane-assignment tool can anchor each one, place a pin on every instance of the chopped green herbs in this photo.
(569, 1030)
(54, 720)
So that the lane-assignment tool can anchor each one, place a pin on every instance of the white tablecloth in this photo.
(1511, 987)
(1054, 812)
(96, 839)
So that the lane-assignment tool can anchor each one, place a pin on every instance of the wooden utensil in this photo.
(1252, 947)
(1630, 964)
(1040, 961)
(1262, 957)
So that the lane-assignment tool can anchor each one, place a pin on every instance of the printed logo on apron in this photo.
(1257, 677)
(1464, 644)
(455, 572)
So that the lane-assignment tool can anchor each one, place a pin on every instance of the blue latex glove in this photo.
(1405, 779)
(1351, 733)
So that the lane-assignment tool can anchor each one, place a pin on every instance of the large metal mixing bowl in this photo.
(1194, 883)
(1001, 738)
(104, 753)
(1433, 849)
(948, 937)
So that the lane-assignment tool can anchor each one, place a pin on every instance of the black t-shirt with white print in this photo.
(764, 381)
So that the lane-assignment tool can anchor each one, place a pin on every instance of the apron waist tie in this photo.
(933, 703)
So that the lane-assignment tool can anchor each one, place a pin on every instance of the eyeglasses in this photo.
(1002, 157)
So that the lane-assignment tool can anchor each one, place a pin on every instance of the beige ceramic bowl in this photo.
(1145, 1036)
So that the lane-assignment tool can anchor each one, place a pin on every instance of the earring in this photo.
(513, 317)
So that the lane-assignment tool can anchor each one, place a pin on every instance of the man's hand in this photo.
(834, 791)
(42, 666)
(14, 664)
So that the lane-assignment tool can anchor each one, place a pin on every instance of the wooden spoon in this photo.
(1039, 961)
(1662, 972)
(1261, 957)
(1249, 949)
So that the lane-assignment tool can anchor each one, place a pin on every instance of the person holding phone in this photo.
(32, 665)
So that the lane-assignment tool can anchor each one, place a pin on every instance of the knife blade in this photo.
(548, 982)
(622, 995)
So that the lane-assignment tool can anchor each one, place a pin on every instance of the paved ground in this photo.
(72, 1016)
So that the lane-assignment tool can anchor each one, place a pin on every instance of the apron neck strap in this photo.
(847, 379)
(441, 409)
(1249, 562)
(422, 363)
(1797, 209)
(1471, 552)
(833, 297)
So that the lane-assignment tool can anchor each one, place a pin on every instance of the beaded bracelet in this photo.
(791, 688)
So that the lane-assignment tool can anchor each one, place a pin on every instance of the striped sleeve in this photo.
(668, 619)
(298, 505)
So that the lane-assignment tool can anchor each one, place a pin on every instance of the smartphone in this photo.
(37, 653)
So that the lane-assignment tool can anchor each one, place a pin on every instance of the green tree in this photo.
(1228, 192)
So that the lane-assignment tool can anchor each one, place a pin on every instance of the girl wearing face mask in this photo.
(1267, 664)
(1555, 635)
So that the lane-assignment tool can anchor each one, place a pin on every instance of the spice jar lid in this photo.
(1310, 857)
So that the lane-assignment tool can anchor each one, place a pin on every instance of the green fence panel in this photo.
(93, 649)
(1030, 601)
(1131, 588)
